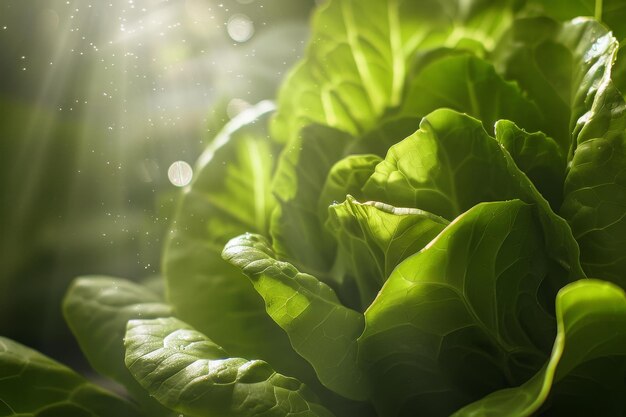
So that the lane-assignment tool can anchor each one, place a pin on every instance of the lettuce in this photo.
(430, 221)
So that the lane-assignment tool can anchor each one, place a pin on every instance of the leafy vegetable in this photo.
(186, 371)
(411, 236)
(35, 385)
(97, 310)
(587, 356)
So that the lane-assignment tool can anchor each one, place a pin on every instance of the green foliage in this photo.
(186, 371)
(412, 236)
(33, 385)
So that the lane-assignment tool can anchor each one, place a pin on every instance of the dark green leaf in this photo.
(97, 310)
(595, 188)
(587, 361)
(320, 328)
(460, 318)
(33, 385)
(610, 12)
(560, 65)
(187, 372)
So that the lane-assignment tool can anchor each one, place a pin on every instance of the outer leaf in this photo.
(587, 361)
(375, 237)
(187, 372)
(560, 66)
(97, 310)
(451, 164)
(538, 156)
(466, 83)
(460, 318)
(595, 188)
(33, 385)
(610, 12)
(356, 66)
(230, 195)
(320, 328)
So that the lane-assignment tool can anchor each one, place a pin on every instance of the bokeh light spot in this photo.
(240, 28)
(180, 173)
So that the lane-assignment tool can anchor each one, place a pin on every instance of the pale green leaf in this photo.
(358, 62)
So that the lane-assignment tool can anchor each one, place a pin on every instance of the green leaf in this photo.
(560, 65)
(468, 84)
(230, 195)
(296, 230)
(447, 166)
(358, 62)
(610, 12)
(595, 188)
(309, 177)
(390, 130)
(346, 177)
(320, 328)
(587, 361)
(186, 371)
(97, 310)
(451, 164)
(538, 156)
(375, 237)
(460, 318)
(33, 385)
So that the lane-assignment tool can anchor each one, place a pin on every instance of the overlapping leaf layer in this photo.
(431, 222)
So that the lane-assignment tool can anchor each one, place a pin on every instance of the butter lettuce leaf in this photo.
(375, 237)
(188, 372)
(559, 65)
(461, 318)
(587, 357)
(358, 62)
(97, 310)
(229, 195)
(320, 328)
(33, 385)
(538, 156)
(451, 164)
(466, 83)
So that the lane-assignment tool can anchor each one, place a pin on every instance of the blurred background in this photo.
(99, 101)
